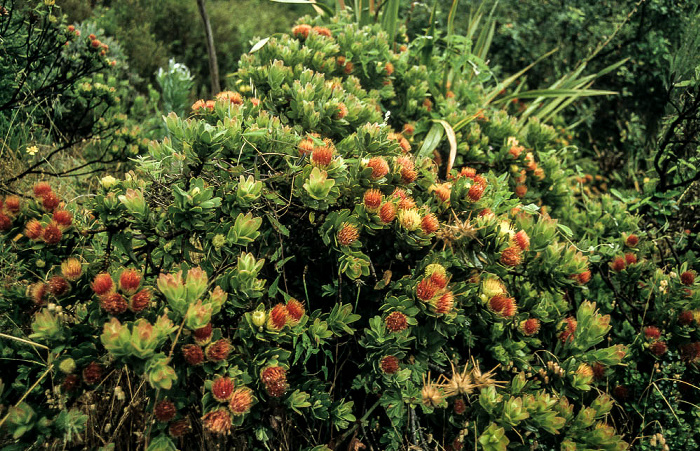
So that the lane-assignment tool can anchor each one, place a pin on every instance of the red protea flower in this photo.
(241, 401)
(12, 204)
(467, 172)
(218, 351)
(429, 224)
(322, 156)
(348, 234)
(342, 111)
(217, 422)
(114, 303)
(379, 166)
(475, 192)
(203, 334)
(33, 230)
(408, 175)
(70, 383)
(278, 317)
(389, 364)
(372, 199)
(306, 146)
(632, 241)
(63, 218)
(396, 322)
(688, 278)
(426, 290)
(275, 380)
(568, 333)
(481, 180)
(301, 31)
(658, 348)
(50, 201)
(295, 310)
(486, 212)
(92, 373)
(444, 303)
(618, 264)
(439, 279)
(52, 234)
(179, 428)
(530, 326)
(41, 189)
(584, 277)
(222, 389)
(38, 292)
(92, 36)
(630, 258)
(95, 43)
(686, 318)
(497, 303)
(164, 410)
(129, 281)
(652, 333)
(323, 31)
(348, 67)
(58, 286)
(102, 284)
(520, 190)
(459, 406)
(199, 105)
(522, 240)
(193, 354)
(5, 222)
(387, 213)
(443, 192)
(511, 256)
(140, 300)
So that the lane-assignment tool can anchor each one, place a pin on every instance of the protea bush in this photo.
(299, 265)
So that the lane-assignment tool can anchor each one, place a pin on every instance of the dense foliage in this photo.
(359, 244)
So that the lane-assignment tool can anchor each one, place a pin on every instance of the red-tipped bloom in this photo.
(102, 284)
(50, 201)
(444, 303)
(274, 378)
(372, 199)
(301, 31)
(41, 189)
(379, 166)
(522, 240)
(12, 204)
(33, 230)
(443, 192)
(129, 281)
(426, 290)
(92, 373)
(618, 264)
(58, 286)
(52, 234)
(430, 224)
(63, 218)
(632, 241)
(511, 256)
(584, 277)
(193, 354)
(306, 146)
(140, 300)
(38, 292)
(217, 422)
(5, 221)
(323, 31)
(222, 389)
(520, 190)
(241, 401)
(387, 212)
(203, 334)
(459, 406)
(295, 310)
(342, 111)
(652, 333)
(475, 192)
(630, 258)
(389, 364)
(688, 278)
(570, 328)
(165, 410)
(114, 303)
(278, 317)
(439, 279)
(72, 269)
(322, 156)
(396, 322)
(530, 326)
(218, 351)
(348, 234)
(658, 348)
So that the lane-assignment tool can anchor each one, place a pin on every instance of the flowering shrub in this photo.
(298, 263)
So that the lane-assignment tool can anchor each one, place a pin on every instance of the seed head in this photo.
(686, 318)
(179, 428)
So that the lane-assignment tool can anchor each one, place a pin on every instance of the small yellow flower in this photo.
(49, 2)
(32, 150)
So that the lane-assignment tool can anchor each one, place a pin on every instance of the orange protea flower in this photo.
(444, 303)
(486, 212)
(203, 334)
(140, 300)
(164, 411)
(408, 175)
(33, 230)
(652, 333)
(503, 305)
(50, 201)
(38, 292)
(63, 218)
(387, 212)
(442, 192)
(530, 326)
(58, 286)
(322, 156)
(632, 240)
(114, 303)
(389, 364)
(475, 192)
(520, 191)
(426, 290)
(406, 203)
(396, 322)
(218, 351)
(52, 234)
(198, 105)
(193, 354)
(522, 240)
(389, 68)
(405, 162)
(278, 317)
(511, 256)
(584, 277)
(72, 269)
(12, 204)
(295, 310)
(222, 389)
(428, 104)
(467, 172)
(568, 333)
(342, 111)
(658, 348)
(275, 380)
(233, 97)
(129, 281)
(686, 318)
(102, 284)
(5, 221)
(92, 373)
(372, 199)
(41, 189)
(348, 67)
(630, 258)
(179, 428)
(323, 31)
(217, 422)
(379, 166)
(618, 264)
(439, 279)
(688, 278)
(306, 146)
(301, 31)
(408, 129)
(430, 224)
(481, 180)
(241, 401)
(348, 234)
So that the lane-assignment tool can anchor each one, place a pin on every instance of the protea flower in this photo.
(396, 322)
(217, 421)
(444, 303)
(165, 411)
(71, 269)
(12, 205)
(218, 351)
(530, 326)
(92, 373)
(140, 300)
(389, 364)
(38, 292)
(410, 219)
(688, 278)
(342, 111)
(630, 258)
(439, 279)
(278, 317)
(274, 378)
(102, 284)
(459, 406)
(41, 189)
(322, 156)
(379, 166)
(114, 303)
(443, 192)
(632, 240)
(426, 290)
(222, 389)
(348, 234)
(570, 328)
(658, 348)
(387, 212)
(179, 428)
(522, 240)
(306, 146)
(323, 31)
(203, 334)
(52, 234)
(686, 318)
(50, 201)
(475, 192)
(58, 286)
(129, 281)
(295, 310)
(652, 333)
(241, 401)
(32, 230)
(511, 256)
(63, 219)
(618, 264)
(301, 31)
(193, 354)
(372, 200)
(430, 224)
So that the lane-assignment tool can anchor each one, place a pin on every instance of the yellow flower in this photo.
(32, 150)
